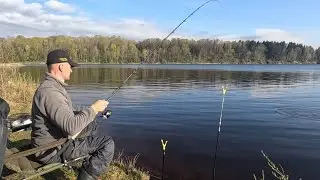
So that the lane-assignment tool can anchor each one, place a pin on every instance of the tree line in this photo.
(116, 50)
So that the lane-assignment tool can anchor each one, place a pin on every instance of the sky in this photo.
(273, 20)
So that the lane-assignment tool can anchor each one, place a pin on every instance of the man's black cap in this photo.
(60, 56)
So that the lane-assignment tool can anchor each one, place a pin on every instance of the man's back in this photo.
(53, 118)
(45, 131)
(52, 114)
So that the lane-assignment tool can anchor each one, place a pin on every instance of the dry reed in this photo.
(17, 89)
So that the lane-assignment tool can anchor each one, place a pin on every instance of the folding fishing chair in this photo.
(21, 162)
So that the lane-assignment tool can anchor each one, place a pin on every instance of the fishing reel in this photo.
(106, 114)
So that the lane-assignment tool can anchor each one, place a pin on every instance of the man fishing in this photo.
(53, 118)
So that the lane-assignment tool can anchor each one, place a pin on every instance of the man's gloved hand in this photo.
(100, 105)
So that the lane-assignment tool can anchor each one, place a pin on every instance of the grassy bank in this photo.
(18, 89)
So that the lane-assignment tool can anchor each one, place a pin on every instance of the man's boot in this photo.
(83, 175)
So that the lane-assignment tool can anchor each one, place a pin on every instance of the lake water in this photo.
(274, 108)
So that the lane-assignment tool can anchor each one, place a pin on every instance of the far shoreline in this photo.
(20, 64)
(43, 64)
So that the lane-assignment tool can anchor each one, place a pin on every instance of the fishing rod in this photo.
(108, 112)
(224, 90)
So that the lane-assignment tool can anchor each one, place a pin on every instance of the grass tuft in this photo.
(277, 172)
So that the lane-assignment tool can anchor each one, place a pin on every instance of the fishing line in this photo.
(224, 90)
(136, 69)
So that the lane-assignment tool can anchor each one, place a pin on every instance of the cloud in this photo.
(277, 35)
(59, 6)
(32, 19)
(18, 17)
(14, 6)
(271, 34)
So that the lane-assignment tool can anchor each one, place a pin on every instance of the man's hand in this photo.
(100, 105)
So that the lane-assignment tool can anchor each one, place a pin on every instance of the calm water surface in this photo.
(274, 108)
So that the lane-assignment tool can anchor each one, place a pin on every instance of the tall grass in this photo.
(17, 89)
(124, 168)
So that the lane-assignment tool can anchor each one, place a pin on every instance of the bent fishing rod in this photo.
(107, 113)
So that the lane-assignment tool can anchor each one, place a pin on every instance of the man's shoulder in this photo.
(46, 87)
(46, 84)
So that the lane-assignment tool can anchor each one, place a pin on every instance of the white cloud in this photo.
(12, 6)
(59, 6)
(36, 19)
(31, 19)
(278, 35)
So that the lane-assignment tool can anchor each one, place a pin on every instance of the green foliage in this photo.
(99, 49)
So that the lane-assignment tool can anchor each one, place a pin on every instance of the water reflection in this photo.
(150, 83)
(263, 110)
(111, 77)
